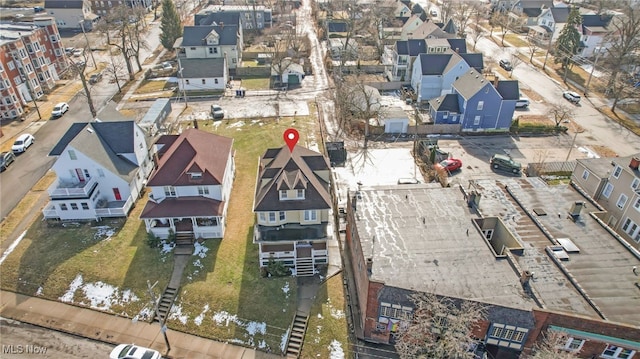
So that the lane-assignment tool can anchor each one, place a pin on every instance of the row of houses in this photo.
(32, 59)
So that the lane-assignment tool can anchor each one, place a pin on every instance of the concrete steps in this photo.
(164, 306)
(184, 238)
(296, 336)
(304, 267)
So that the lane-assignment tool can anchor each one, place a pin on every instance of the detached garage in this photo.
(395, 120)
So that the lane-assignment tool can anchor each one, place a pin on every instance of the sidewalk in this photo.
(113, 329)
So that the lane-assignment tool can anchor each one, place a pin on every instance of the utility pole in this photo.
(184, 91)
(544, 65)
(86, 39)
(593, 67)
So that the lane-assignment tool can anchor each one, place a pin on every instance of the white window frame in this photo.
(272, 217)
(585, 175)
(616, 351)
(476, 121)
(622, 200)
(636, 205)
(169, 191)
(310, 215)
(283, 195)
(635, 184)
(262, 217)
(72, 155)
(203, 190)
(571, 342)
(608, 189)
(480, 105)
(617, 172)
(282, 216)
(300, 194)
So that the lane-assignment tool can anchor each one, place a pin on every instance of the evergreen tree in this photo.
(170, 25)
(568, 42)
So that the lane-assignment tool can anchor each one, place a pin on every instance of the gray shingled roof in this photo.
(291, 169)
(201, 68)
(458, 44)
(438, 64)
(218, 18)
(410, 47)
(195, 35)
(470, 83)
(474, 60)
(509, 90)
(104, 142)
(337, 26)
(448, 102)
(560, 14)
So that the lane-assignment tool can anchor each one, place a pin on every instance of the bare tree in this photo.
(114, 69)
(502, 20)
(78, 67)
(560, 114)
(552, 346)
(440, 328)
(446, 9)
(137, 29)
(515, 62)
(624, 43)
(356, 102)
(476, 35)
(462, 12)
(534, 45)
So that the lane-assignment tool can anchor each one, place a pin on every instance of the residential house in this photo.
(394, 119)
(404, 54)
(445, 109)
(287, 72)
(104, 7)
(411, 25)
(191, 185)
(614, 183)
(422, 243)
(337, 28)
(586, 337)
(397, 9)
(595, 30)
(427, 30)
(486, 106)
(251, 16)
(475, 61)
(433, 74)
(291, 204)
(549, 24)
(208, 17)
(203, 74)
(71, 14)
(101, 168)
(31, 60)
(525, 13)
(212, 41)
(338, 50)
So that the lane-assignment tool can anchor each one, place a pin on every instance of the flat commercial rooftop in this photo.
(422, 238)
(603, 267)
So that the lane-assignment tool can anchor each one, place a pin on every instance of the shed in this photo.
(153, 120)
(395, 120)
(337, 153)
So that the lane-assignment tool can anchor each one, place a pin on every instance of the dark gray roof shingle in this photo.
(410, 47)
(63, 4)
(458, 45)
(201, 68)
(217, 18)
(195, 35)
(448, 102)
(509, 90)
(474, 60)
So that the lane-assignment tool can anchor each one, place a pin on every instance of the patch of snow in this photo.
(12, 247)
(99, 294)
(200, 317)
(176, 313)
(198, 264)
(286, 289)
(256, 327)
(337, 313)
(67, 297)
(129, 296)
(200, 250)
(167, 247)
(262, 344)
(223, 316)
(144, 314)
(319, 316)
(172, 79)
(335, 350)
(588, 152)
(39, 291)
(103, 232)
(283, 340)
(237, 124)
(216, 124)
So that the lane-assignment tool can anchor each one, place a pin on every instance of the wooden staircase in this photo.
(304, 267)
(164, 306)
(184, 243)
(296, 336)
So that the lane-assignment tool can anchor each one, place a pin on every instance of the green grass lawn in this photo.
(515, 40)
(260, 83)
(149, 86)
(223, 295)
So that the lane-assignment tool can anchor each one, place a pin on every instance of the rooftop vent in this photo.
(634, 163)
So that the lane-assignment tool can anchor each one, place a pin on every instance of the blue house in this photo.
(434, 74)
(481, 105)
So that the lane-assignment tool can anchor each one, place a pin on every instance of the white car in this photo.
(571, 96)
(217, 112)
(131, 351)
(22, 143)
(60, 109)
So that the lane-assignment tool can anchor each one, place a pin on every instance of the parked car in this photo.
(217, 112)
(95, 78)
(571, 96)
(506, 64)
(22, 143)
(38, 9)
(78, 52)
(504, 162)
(131, 351)
(60, 109)
(433, 12)
(6, 158)
(522, 103)
(166, 66)
(450, 165)
(69, 50)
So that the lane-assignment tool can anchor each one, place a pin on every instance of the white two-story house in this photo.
(101, 168)
(549, 24)
(433, 74)
(291, 204)
(191, 185)
(211, 41)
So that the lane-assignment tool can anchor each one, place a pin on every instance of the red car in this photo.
(450, 165)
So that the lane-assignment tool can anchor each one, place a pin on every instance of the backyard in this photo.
(109, 265)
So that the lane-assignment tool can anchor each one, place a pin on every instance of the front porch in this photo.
(302, 256)
(201, 227)
(85, 209)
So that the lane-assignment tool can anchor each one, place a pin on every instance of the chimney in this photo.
(369, 265)
(576, 208)
(495, 81)
(222, 25)
(634, 163)
(525, 277)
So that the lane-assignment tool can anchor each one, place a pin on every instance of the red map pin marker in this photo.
(291, 137)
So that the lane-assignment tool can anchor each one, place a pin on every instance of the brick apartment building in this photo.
(32, 58)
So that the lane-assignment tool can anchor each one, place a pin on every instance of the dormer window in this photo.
(300, 194)
(195, 175)
(283, 195)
